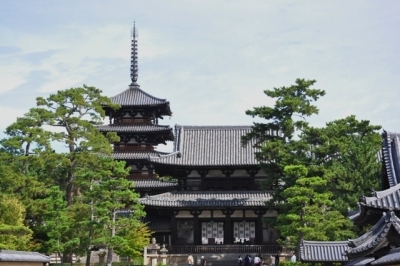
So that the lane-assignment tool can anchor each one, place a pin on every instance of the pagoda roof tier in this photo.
(208, 199)
(210, 146)
(135, 128)
(135, 155)
(135, 97)
(319, 251)
(154, 183)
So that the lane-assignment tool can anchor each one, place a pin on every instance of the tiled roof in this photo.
(134, 96)
(388, 199)
(393, 258)
(376, 237)
(13, 255)
(135, 155)
(142, 128)
(391, 156)
(208, 199)
(210, 146)
(319, 251)
(153, 183)
(385, 200)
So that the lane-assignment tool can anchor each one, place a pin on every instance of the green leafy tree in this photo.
(111, 195)
(343, 153)
(77, 111)
(132, 240)
(59, 186)
(14, 234)
(307, 211)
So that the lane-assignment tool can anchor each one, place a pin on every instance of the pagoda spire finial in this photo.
(134, 56)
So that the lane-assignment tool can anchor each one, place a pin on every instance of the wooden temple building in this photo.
(214, 197)
(381, 244)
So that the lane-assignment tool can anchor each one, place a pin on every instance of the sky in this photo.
(211, 59)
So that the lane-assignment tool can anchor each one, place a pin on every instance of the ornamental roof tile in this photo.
(208, 199)
(210, 146)
(134, 96)
(319, 251)
(134, 128)
(153, 183)
(13, 255)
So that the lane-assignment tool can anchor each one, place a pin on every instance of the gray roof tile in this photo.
(385, 200)
(134, 128)
(153, 183)
(134, 96)
(13, 255)
(323, 251)
(134, 155)
(375, 238)
(391, 156)
(210, 146)
(208, 199)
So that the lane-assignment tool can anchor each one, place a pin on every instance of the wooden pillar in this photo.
(196, 227)
(259, 227)
(228, 233)
(173, 227)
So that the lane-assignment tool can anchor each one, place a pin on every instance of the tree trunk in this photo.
(110, 249)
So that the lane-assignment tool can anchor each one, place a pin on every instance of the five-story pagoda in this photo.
(136, 123)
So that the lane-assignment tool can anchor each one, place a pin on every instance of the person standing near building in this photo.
(293, 258)
(203, 261)
(190, 260)
(276, 259)
(272, 259)
(257, 260)
(240, 260)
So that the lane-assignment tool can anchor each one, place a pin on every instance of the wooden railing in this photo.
(239, 249)
(122, 147)
(130, 120)
(139, 175)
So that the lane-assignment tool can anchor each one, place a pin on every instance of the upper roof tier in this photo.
(134, 97)
(135, 128)
(210, 146)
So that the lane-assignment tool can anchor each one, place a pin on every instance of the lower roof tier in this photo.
(208, 199)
